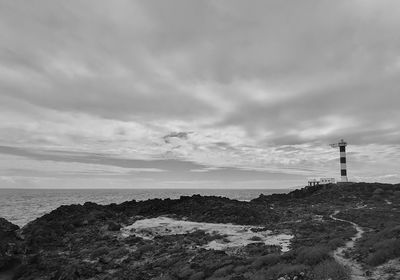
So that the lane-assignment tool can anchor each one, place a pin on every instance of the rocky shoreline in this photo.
(89, 241)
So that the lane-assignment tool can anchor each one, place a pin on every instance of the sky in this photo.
(197, 94)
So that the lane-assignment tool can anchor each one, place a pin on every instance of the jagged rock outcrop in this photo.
(9, 244)
(335, 194)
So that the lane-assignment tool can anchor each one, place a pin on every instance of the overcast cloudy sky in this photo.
(191, 93)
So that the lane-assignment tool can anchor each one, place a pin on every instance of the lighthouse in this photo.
(343, 168)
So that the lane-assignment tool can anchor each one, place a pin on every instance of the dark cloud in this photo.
(71, 65)
(365, 113)
(101, 159)
(180, 135)
(131, 59)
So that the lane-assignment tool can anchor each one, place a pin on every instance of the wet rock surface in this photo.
(87, 241)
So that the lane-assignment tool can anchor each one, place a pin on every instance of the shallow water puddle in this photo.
(236, 235)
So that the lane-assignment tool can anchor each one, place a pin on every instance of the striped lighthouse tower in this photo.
(343, 168)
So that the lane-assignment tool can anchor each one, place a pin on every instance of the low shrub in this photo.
(100, 252)
(197, 276)
(385, 250)
(260, 249)
(330, 269)
(378, 191)
(223, 271)
(240, 269)
(335, 243)
(313, 255)
(266, 260)
(284, 269)
(185, 272)
(255, 238)
(118, 253)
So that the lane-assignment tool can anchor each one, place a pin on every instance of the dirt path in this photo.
(356, 270)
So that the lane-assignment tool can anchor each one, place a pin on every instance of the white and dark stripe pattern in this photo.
(343, 169)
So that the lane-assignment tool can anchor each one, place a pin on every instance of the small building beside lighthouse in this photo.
(321, 181)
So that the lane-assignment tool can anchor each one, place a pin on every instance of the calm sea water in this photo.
(21, 206)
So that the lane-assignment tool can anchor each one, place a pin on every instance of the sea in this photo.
(20, 206)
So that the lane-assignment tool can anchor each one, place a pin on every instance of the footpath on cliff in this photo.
(387, 270)
(355, 268)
